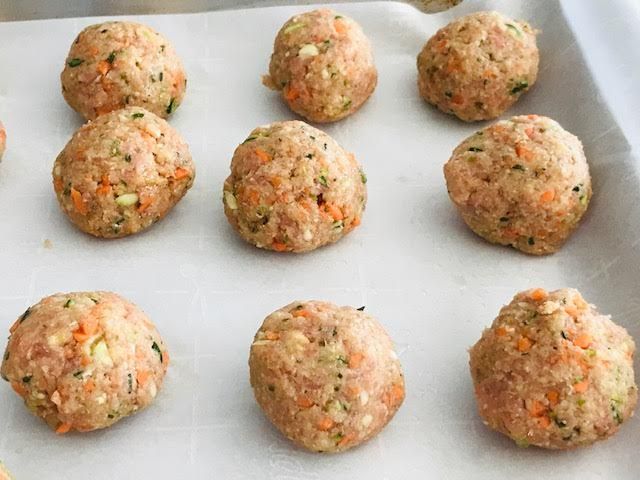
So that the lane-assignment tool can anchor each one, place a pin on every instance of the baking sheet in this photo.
(415, 266)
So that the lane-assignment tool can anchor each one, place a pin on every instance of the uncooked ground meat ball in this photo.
(113, 65)
(293, 188)
(552, 372)
(522, 182)
(323, 64)
(122, 172)
(478, 66)
(326, 376)
(82, 361)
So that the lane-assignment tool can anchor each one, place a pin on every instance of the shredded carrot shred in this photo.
(524, 344)
(304, 402)
(547, 196)
(279, 246)
(355, 360)
(180, 173)
(63, 428)
(324, 424)
(78, 202)
(581, 386)
(538, 294)
(583, 340)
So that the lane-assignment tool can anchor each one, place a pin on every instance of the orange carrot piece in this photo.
(104, 187)
(524, 152)
(355, 360)
(104, 67)
(271, 335)
(78, 201)
(90, 386)
(89, 325)
(583, 340)
(86, 360)
(291, 94)
(394, 395)
(356, 222)
(324, 424)
(262, 155)
(145, 204)
(165, 358)
(524, 344)
(254, 197)
(553, 397)
(304, 402)
(180, 173)
(63, 428)
(80, 336)
(581, 386)
(501, 331)
(538, 294)
(279, 246)
(529, 132)
(571, 310)
(544, 421)
(340, 26)
(334, 211)
(142, 376)
(302, 313)
(547, 196)
(457, 99)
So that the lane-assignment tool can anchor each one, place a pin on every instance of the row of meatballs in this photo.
(550, 371)
(523, 182)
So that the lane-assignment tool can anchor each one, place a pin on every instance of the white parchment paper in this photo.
(415, 266)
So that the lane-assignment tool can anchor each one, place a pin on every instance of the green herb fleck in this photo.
(476, 149)
(78, 374)
(172, 106)
(24, 316)
(75, 62)
(137, 115)
(130, 382)
(517, 166)
(448, 94)
(338, 17)
(309, 156)
(519, 87)
(323, 180)
(363, 177)
(576, 188)
(522, 442)
(504, 219)
(581, 402)
(70, 303)
(27, 379)
(157, 349)
(127, 158)
(111, 57)
(346, 104)
(531, 241)
(583, 199)
(514, 29)
(271, 388)
(342, 359)
(361, 309)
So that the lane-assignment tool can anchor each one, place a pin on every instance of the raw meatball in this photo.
(122, 173)
(552, 372)
(522, 182)
(322, 63)
(326, 376)
(117, 64)
(434, 6)
(478, 66)
(4, 473)
(82, 361)
(293, 188)
(3, 140)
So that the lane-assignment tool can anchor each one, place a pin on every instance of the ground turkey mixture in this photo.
(478, 66)
(82, 361)
(326, 376)
(113, 65)
(293, 188)
(322, 63)
(552, 372)
(522, 182)
(122, 172)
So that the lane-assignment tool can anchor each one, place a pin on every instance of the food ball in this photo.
(322, 63)
(522, 182)
(477, 66)
(326, 376)
(4, 473)
(552, 372)
(113, 65)
(434, 6)
(82, 361)
(3, 140)
(122, 173)
(293, 188)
